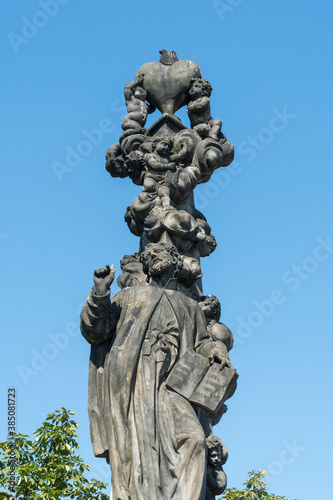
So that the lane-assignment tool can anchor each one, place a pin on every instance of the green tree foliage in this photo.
(255, 489)
(48, 467)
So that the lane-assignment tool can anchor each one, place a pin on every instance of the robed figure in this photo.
(150, 434)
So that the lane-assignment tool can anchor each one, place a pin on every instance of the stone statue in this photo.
(216, 478)
(138, 109)
(211, 308)
(151, 435)
(158, 163)
(159, 370)
(198, 110)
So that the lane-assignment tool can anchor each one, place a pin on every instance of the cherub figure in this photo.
(154, 192)
(211, 308)
(198, 110)
(158, 163)
(137, 107)
(217, 456)
(160, 160)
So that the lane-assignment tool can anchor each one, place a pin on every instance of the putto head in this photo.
(140, 93)
(211, 306)
(215, 451)
(204, 84)
(162, 139)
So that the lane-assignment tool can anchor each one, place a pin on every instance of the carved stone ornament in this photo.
(160, 371)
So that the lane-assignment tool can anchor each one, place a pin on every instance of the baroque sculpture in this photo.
(160, 371)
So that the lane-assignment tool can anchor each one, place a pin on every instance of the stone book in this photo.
(201, 383)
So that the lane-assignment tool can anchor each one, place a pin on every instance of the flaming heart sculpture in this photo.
(169, 158)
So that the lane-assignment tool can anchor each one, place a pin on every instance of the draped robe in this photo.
(150, 434)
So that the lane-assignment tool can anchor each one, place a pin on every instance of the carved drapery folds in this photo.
(168, 160)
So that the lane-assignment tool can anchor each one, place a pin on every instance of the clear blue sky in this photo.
(270, 65)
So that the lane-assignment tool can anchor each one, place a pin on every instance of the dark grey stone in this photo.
(160, 371)
(164, 210)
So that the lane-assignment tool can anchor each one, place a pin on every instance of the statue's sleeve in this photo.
(202, 341)
(99, 317)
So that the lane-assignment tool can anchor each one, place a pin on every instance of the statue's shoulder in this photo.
(187, 300)
(132, 290)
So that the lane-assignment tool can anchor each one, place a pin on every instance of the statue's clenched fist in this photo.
(103, 279)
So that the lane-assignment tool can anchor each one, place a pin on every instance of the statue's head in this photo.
(200, 87)
(140, 93)
(159, 259)
(211, 306)
(190, 272)
(215, 451)
(162, 145)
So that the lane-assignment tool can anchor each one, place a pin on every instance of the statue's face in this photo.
(159, 261)
(140, 93)
(210, 307)
(207, 306)
(214, 457)
(162, 148)
(195, 90)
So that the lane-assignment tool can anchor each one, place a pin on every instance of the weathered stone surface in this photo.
(165, 210)
(159, 368)
(168, 86)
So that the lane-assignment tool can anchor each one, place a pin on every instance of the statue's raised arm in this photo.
(103, 279)
(130, 88)
(97, 319)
